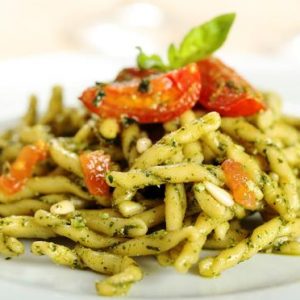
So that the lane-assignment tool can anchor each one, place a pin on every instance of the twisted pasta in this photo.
(168, 193)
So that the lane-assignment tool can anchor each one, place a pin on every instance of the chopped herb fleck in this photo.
(104, 216)
(152, 248)
(78, 221)
(127, 229)
(111, 224)
(110, 178)
(99, 97)
(144, 86)
(127, 121)
(53, 247)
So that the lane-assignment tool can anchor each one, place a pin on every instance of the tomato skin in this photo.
(21, 170)
(94, 166)
(237, 178)
(224, 91)
(134, 73)
(167, 96)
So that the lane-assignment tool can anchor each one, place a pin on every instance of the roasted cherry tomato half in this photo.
(224, 91)
(94, 166)
(152, 99)
(134, 73)
(237, 180)
(21, 170)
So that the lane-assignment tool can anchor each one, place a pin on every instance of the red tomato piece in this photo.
(21, 170)
(237, 180)
(134, 73)
(94, 166)
(154, 99)
(224, 91)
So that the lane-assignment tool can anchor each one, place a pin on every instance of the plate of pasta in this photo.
(157, 184)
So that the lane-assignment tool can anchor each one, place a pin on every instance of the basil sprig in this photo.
(199, 43)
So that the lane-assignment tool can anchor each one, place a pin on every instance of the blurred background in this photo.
(75, 42)
(115, 27)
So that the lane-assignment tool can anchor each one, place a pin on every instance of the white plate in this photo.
(36, 278)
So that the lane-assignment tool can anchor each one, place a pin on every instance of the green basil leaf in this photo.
(153, 61)
(203, 40)
(199, 43)
(172, 55)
